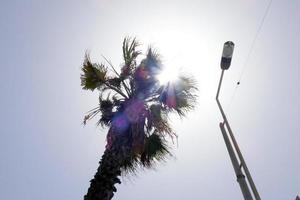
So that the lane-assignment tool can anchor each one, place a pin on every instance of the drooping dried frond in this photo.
(94, 75)
(131, 163)
(157, 120)
(106, 109)
(155, 149)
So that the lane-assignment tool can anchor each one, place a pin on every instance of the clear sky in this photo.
(46, 153)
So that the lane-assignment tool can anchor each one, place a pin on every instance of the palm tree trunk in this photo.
(102, 186)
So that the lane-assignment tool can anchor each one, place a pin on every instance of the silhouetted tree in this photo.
(135, 107)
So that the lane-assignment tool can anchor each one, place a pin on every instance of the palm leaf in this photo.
(130, 54)
(157, 120)
(179, 96)
(145, 81)
(94, 75)
(131, 163)
(153, 61)
(116, 82)
(155, 149)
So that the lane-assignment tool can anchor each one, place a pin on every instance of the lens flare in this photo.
(168, 75)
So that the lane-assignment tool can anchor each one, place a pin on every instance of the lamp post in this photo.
(235, 154)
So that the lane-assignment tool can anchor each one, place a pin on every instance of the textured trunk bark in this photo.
(102, 186)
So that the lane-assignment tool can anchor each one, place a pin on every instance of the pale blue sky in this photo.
(47, 154)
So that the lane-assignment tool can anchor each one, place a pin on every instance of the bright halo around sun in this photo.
(168, 75)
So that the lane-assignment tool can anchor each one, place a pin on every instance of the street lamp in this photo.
(235, 154)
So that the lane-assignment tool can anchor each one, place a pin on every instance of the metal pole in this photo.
(243, 163)
(238, 171)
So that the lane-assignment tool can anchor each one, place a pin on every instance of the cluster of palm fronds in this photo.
(135, 105)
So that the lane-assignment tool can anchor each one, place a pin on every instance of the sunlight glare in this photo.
(168, 75)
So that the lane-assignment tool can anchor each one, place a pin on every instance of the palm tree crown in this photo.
(135, 107)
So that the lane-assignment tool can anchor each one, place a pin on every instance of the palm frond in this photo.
(131, 163)
(145, 81)
(130, 53)
(116, 82)
(155, 149)
(157, 121)
(106, 109)
(91, 114)
(180, 96)
(153, 62)
(111, 66)
(94, 75)
(186, 97)
(186, 83)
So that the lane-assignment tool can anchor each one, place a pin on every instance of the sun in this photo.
(168, 75)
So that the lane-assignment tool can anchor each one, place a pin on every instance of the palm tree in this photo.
(135, 107)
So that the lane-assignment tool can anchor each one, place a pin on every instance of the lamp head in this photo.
(227, 55)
